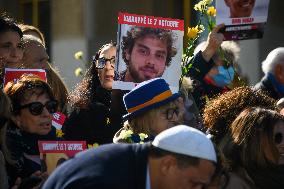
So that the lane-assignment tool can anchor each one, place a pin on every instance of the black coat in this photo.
(24, 150)
(106, 167)
(266, 86)
(93, 124)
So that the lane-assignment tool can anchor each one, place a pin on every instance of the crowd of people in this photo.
(212, 133)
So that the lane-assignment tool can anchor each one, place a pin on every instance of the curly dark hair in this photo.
(84, 91)
(138, 32)
(221, 111)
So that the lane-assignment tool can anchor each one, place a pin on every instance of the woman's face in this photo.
(35, 56)
(168, 116)
(278, 134)
(39, 124)
(11, 51)
(106, 74)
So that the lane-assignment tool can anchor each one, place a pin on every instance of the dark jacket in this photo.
(106, 167)
(3, 174)
(93, 124)
(203, 89)
(24, 151)
(266, 85)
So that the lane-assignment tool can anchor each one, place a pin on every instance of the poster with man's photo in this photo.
(54, 153)
(148, 47)
(242, 19)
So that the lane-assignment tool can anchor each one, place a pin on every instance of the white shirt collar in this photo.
(148, 184)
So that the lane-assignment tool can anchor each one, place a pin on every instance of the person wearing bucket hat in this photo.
(178, 158)
(152, 108)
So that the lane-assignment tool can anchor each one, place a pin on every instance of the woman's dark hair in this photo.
(9, 24)
(83, 93)
(251, 141)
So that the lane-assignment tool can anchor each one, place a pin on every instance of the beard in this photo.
(138, 78)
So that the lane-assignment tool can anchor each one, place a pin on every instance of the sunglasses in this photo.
(36, 108)
(102, 62)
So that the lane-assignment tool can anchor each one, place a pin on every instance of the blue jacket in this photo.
(108, 166)
(266, 85)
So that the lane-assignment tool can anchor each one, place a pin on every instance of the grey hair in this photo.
(274, 58)
(230, 47)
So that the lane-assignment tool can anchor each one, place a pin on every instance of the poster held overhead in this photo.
(148, 47)
(242, 19)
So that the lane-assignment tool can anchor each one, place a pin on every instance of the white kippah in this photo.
(186, 140)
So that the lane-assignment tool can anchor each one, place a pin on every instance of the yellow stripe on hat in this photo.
(154, 100)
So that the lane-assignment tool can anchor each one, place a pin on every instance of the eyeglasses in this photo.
(170, 113)
(278, 137)
(36, 108)
(102, 62)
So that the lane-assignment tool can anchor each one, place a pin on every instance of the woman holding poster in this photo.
(33, 104)
(90, 101)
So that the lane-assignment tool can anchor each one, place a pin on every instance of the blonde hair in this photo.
(59, 88)
(29, 28)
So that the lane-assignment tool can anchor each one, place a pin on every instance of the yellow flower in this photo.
(202, 5)
(59, 133)
(107, 121)
(78, 55)
(211, 11)
(192, 32)
(198, 7)
(78, 72)
(143, 136)
(95, 145)
(125, 134)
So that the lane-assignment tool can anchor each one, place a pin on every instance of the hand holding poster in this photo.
(243, 19)
(148, 47)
